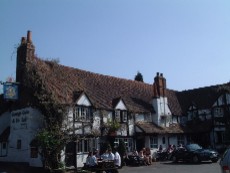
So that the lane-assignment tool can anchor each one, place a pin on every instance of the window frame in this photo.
(19, 144)
(2, 149)
(153, 140)
(86, 145)
(82, 113)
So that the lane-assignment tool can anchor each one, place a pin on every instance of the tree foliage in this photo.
(50, 144)
(139, 77)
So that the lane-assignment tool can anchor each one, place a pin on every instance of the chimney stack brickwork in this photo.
(25, 53)
(160, 84)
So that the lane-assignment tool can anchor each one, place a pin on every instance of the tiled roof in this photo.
(202, 98)
(66, 83)
(102, 90)
(152, 128)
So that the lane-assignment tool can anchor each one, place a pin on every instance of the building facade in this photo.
(102, 108)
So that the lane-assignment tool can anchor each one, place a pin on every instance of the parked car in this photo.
(225, 161)
(194, 153)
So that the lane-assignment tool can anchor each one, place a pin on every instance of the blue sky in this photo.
(186, 40)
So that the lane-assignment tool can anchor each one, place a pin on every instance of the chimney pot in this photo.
(23, 40)
(29, 36)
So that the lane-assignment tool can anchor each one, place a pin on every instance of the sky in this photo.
(186, 40)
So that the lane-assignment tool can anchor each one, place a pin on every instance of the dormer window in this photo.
(124, 116)
(82, 113)
(121, 116)
(118, 115)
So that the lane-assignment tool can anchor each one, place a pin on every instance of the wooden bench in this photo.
(106, 165)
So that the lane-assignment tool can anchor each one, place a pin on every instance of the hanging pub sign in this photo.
(10, 91)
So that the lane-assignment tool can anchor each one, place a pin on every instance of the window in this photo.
(82, 113)
(121, 116)
(163, 140)
(4, 145)
(34, 152)
(127, 141)
(86, 145)
(3, 149)
(154, 142)
(180, 139)
(118, 115)
(218, 112)
(19, 144)
(124, 116)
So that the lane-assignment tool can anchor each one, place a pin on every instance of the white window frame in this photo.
(129, 143)
(86, 145)
(153, 142)
(124, 116)
(82, 113)
(118, 115)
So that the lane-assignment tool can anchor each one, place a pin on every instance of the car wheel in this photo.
(195, 159)
(174, 159)
(214, 160)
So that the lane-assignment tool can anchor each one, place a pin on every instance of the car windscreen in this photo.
(193, 147)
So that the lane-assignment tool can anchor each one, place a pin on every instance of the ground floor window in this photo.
(153, 142)
(180, 139)
(19, 144)
(3, 149)
(219, 136)
(87, 144)
(129, 144)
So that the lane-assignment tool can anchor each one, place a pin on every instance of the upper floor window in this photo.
(82, 113)
(218, 111)
(121, 115)
(118, 115)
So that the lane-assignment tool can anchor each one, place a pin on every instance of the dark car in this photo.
(194, 153)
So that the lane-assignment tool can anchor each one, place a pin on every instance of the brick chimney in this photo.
(25, 53)
(159, 85)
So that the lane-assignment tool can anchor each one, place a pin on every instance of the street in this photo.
(169, 167)
(159, 167)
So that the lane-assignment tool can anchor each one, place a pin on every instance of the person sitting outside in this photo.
(110, 155)
(142, 157)
(105, 155)
(148, 156)
(91, 160)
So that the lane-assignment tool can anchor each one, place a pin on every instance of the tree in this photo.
(138, 77)
(50, 144)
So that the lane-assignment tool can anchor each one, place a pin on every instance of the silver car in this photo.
(225, 161)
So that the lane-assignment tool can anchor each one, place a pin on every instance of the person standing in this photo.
(117, 158)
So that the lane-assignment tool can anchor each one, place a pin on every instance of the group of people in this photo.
(145, 154)
(170, 148)
(94, 157)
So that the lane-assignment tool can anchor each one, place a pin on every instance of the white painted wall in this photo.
(25, 124)
(120, 105)
(161, 108)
